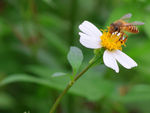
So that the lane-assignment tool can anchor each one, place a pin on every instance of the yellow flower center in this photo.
(111, 41)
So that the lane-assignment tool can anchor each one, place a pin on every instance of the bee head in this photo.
(113, 28)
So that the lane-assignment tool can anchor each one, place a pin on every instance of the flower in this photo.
(91, 37)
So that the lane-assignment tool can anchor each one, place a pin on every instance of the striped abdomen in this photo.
(132, 29)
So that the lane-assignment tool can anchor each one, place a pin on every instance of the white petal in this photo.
(89, 41)
(124, 60)
(110, 61)
(90, 29)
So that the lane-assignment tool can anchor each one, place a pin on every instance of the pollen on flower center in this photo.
(111, 41)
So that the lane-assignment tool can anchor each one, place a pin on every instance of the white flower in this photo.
(92, 37)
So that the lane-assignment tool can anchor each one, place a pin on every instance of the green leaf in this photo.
(75, 58)
(90, 87)
(58, 84)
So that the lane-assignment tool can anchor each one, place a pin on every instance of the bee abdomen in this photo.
(133, 29)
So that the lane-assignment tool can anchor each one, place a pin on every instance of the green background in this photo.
(35, 37)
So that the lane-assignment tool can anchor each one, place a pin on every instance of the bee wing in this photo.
(127, 16)
(137, 23)
(133, 24)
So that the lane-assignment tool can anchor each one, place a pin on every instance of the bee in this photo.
(121, 25)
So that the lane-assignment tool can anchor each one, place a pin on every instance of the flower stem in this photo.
(71, 82)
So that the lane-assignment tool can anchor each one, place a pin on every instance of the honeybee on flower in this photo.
(121, 25)
(91, 37)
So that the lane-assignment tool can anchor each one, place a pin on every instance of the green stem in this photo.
(71, 82)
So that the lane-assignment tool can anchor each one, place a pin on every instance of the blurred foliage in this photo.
(35, 37)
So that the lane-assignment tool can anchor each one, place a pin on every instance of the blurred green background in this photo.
(35, 37)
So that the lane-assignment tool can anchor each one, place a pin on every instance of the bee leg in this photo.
(125, 38)
(118, 32)
(121, 37)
